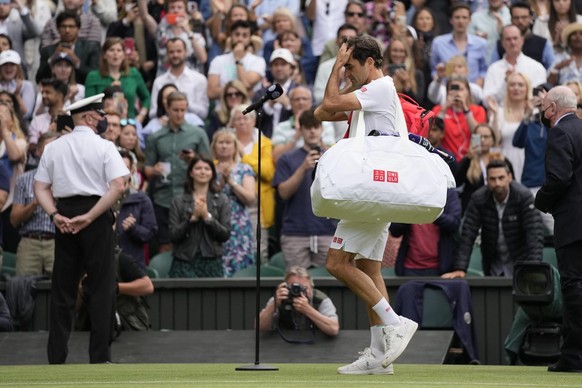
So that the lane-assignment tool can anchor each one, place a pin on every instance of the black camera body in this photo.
(295, 290)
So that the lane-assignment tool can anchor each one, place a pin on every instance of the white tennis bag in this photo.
(380, 179)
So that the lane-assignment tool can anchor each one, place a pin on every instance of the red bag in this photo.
(418, 120)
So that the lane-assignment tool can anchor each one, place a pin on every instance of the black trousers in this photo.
(89, 251)
(570, 267)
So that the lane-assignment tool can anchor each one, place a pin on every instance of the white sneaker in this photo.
(366, 364)
(397, 339)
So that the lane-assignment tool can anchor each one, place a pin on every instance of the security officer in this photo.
(79, 178)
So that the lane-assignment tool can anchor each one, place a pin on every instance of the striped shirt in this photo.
(24, 195)
(90, 30)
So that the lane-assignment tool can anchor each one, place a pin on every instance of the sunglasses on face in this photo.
(124, 122)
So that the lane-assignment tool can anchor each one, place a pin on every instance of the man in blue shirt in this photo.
(460, 42)
(305, 238)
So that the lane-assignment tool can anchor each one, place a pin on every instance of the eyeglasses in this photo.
(358, 14)
(124, 122)
(236, 94)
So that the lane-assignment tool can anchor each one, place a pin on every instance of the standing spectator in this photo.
(113, 126)
(306, 62)
(114, 69)
(534, 46)
(456, 67)
(326, 20)
(89, 27)
(221, 21)
(168, 152)
(240, 63)
(199, 224)
(514, 60)
(267, 12)
(282, 19)
(161, 118)
(18, 24)
(332, 46)
(62, 69)
(13, 152)
(36, 249)
(305, 238)
(387, 20)
(516, 106)
(565, 67)
(423, 22)
(84, 240)
(461, 42)
(4, 190)
(234, 93)
(136, 222)
(399, 64)
(129, 141)
(238, 182)
(189, 81)
(84, 52)
(53, 94)
(176, 24)
(248, 136)
(12, 80)
(460, 116)
(511, 228)
(488, 22)
(287, 135)
(560, 196)
(562, 13)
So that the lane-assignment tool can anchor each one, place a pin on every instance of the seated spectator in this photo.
(20, 24)
(62, 69)
(248, 135)
(271, 14)
(399, 64)
(460, 115)
(514, 60)
(53, 93)
(88, 28)
(161, 118)
(456, 67)
(506, 118)
(387, 19)
(325, 19)
(472, 169)
(238, 183)
(511, 227)
(565, 66)
(4, 190)
(36, 249)
(429, 249)
(199, 224)
(561, 15)
(239, 63)
(176, 24)
(83, 51)
(306, 62)
(114, 100)
(129, 141)
(311, 308)
(136, 222)
(188, 81)
(287, 135)
(163, 160)
(305, 238)
(461, 42)
(234, 93)
(114, 70)
(10, 100)
(132, 29)
(6, 323)
(13, 154)
(12, 80)
(113, 126)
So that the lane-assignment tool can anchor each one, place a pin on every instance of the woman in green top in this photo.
(114, 69)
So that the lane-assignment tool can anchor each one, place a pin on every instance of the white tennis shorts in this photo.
(367, 240)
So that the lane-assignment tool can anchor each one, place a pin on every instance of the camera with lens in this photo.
(295, 290)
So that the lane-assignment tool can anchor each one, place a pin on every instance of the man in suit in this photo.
(84, 53)
(18, 24)
(561, 196)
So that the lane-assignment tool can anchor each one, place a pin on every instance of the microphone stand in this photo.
(257, 366)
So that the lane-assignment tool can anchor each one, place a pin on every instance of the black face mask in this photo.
(545, 122)
(101, 126)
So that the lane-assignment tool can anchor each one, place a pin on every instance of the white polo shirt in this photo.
(80, 163)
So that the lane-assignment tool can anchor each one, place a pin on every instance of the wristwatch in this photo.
(52, 215)
(237, 63)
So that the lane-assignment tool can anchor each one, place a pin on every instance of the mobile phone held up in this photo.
(475, 140)
(129, 45)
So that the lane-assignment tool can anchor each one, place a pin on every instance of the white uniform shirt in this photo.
(80, 163)
(378, 100)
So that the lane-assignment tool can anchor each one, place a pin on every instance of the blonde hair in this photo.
(283, 12)
(239, 108)
(578, 86)
(299, 272)
(228, 134)
(454, 61)
(528, 94)
(408, 62)
(15, 123)
(474, 172)
(223, 111)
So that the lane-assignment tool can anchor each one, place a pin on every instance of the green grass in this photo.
(289, 375)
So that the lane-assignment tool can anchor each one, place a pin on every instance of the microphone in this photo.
(423, 142)
(273, 92)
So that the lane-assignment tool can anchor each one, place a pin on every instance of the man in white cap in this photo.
(281, 67)
(79, 178)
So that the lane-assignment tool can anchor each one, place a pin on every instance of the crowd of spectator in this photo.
(178, 74)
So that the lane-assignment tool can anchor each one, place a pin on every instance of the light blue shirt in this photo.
(444, 48)
(485, 22)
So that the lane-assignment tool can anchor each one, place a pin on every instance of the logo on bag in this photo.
(338, 240)
(364, 89)
(385, 176)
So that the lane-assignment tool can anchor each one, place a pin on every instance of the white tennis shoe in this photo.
(397, 339)
(366, 364)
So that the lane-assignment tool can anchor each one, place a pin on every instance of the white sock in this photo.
(386, 313)
(377, 344)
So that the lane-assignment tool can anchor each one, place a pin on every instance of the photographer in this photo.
(297, 302)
